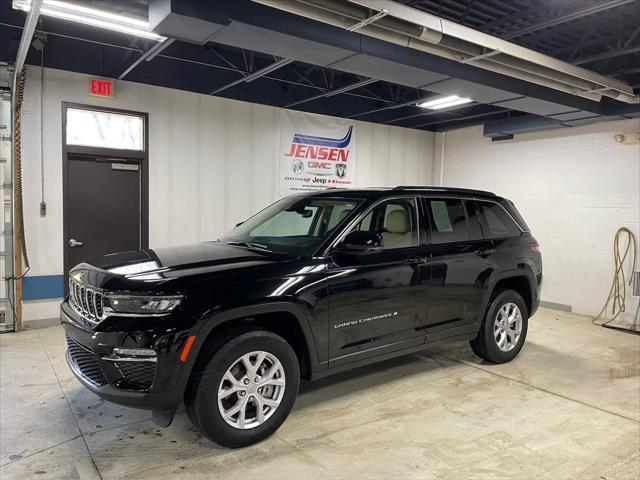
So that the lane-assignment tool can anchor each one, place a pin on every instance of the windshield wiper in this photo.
(253, 245)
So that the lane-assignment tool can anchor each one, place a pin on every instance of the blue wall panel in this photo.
(42, 287)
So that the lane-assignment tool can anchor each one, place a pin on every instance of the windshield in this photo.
(293, 225)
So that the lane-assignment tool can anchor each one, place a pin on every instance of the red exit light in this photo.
(101, 88)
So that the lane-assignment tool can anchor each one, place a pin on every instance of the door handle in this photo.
(413, 260)
(485, 252)
(74, 243)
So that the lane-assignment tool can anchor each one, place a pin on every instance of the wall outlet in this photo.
(43, 209)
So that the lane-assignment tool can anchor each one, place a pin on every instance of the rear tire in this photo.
(504, 329)
(246, 390)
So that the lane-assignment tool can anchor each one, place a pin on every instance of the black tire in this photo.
(485, 344)
(201, 400)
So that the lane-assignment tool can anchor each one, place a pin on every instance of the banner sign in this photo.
(316, 152)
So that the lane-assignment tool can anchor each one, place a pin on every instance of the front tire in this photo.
(504, 329)
(246, 390)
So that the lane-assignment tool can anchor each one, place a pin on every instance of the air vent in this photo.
(635, 284)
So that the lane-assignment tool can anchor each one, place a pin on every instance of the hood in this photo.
(131, 269)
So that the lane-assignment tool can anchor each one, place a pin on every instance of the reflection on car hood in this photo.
(149, 264)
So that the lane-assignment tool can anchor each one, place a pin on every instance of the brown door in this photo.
(103, 211)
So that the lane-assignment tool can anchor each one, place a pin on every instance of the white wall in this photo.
(213, 162)
(575, 187)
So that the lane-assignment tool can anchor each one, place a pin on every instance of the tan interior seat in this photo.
(397, 230)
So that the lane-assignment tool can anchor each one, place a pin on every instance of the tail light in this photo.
(535, 247)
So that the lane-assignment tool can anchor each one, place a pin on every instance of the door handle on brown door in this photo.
(74, 243)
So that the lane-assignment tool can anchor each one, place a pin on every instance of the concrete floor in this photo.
(567, 407)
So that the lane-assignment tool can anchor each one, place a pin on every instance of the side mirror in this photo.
(362, 241)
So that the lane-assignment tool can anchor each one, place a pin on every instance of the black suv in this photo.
(314, 284)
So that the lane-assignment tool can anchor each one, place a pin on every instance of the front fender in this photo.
(213, 320)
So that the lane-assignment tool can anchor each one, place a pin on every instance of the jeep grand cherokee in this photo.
(312, 285)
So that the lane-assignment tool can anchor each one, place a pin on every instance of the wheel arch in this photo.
(282, 318)
(517, 280)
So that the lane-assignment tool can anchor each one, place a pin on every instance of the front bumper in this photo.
(151, 384)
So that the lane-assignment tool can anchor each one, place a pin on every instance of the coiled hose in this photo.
(17, 179)
(17, 143)
(618, 292)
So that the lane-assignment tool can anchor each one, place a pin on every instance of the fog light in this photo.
(134, 352)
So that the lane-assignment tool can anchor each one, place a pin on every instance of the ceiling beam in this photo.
(583, 12)
(331, 93)
(461, 119)
(255, 75)
(424, 113)
(148, 55)
(605, 55)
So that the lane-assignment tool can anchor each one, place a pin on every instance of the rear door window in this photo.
(448, 220)
(496, 222)
(474, 220)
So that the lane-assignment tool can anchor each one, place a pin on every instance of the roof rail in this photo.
(444, 189)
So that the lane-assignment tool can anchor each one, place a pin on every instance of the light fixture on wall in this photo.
(444, 102)
(92, 16)
(628, 138)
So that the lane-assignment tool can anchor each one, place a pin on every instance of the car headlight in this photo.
(142, 304)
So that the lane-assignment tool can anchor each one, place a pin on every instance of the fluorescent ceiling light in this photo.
(444, 102)
(92, 16)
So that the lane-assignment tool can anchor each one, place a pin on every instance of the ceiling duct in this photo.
(408, 27)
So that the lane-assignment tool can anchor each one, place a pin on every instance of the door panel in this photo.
(103, 208)
(460, 269)
(378, 301)
(375, 300)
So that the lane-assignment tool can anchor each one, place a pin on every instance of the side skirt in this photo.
(432, 340)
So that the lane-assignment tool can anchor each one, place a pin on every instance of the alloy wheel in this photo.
(251, 390)
(507, 327)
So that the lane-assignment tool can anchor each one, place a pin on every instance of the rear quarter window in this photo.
(511, 208)
(496, 222)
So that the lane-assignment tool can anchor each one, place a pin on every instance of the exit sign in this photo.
(101, 88)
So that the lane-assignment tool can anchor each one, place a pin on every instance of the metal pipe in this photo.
(583, 12)
(466, 34)
(148, 55)
(43, 204)
(255, 75)
(437, 36)
(25, 42)
(331, 93)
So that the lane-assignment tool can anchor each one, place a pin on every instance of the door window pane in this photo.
(366, 223)
(474, 220)
(448, 221)
(91, 128)
(496, 222)
(338, 214)
(396, 220)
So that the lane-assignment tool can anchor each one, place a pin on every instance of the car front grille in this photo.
(86, 301)
(140, 374)
(85, 363)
